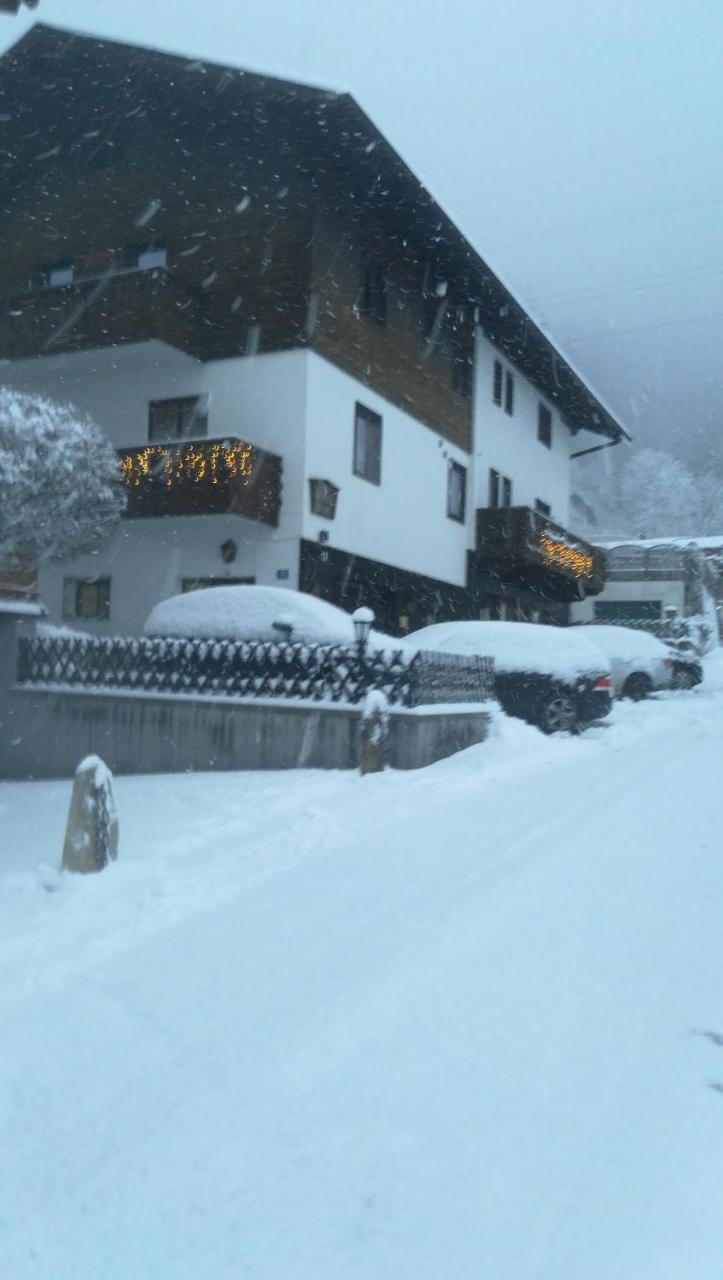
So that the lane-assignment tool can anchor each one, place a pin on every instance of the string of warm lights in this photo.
(209, 463)
(558, 555)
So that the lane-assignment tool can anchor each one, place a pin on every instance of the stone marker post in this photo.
(374, 733)
(91, 836)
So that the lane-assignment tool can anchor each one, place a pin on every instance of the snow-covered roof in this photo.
(249, 613)
(704, 544)
(350, 142)
(517, 646)
(21, 608)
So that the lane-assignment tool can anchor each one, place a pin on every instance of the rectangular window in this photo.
(150, 256)
(506, 492)
(367, 445)
(86, 598)
(544, 425)
(374, 292)
(494, 489)
(509, 392)
(462, 375)
(456, 491)
(179, 419)
(543, 508)
(59, 273)
(323, 497)
(497, 382)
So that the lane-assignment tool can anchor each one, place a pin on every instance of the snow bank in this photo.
(517, 646)
(452, 1023)
(249, 613)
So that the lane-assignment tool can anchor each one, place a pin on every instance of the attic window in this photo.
(144, 259)
(59, 273)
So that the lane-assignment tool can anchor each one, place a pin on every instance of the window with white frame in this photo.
(456, 491)
(87, 599)
(367, 444)
(544, 425)
(181, 418)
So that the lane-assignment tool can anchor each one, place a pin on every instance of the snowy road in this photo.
(466, 1023)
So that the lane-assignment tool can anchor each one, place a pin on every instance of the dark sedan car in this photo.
(550, 676)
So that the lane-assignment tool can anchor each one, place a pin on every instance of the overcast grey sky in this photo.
(576, 142)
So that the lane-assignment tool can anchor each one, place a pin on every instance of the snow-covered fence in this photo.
(229, 668)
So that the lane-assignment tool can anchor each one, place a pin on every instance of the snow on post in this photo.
(374, 733)
(91, 836)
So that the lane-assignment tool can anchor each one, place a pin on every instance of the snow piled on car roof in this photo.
(625, 642)
(517, 646)
(249, 613)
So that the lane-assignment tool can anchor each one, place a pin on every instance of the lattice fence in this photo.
(228, 668)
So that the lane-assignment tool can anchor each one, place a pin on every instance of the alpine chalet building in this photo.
(311, 377)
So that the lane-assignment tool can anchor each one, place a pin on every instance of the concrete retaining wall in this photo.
(44, 733)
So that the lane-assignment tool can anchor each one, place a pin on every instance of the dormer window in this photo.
(59, 273)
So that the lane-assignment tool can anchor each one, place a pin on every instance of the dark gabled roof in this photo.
(344, 142)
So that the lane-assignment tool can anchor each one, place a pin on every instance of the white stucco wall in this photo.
(615, 592)
(261, 399)
(402, 521)
(508, 443)
(297, 405)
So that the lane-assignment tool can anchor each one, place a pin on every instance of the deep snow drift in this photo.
(460, 1023)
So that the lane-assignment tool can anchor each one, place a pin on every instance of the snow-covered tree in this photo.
(658, 496)
(653, 495)
(60, 487)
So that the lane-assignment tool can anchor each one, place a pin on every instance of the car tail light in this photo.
(602, 684)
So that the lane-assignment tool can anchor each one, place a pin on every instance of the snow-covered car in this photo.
(257, 613)
(639, 663)
(686, 665)
(553, 677)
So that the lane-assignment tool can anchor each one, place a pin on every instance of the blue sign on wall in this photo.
(282, 574)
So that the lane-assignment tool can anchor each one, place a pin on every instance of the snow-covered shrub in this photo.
(60, 487)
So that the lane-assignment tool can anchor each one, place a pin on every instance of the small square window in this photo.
(509, 392)
(367, 445)
(150, 256)
(87, 599)
(456, 491)
(543, 508)
(497, 382)
(544, 425)
(180, 419)
(323, 497)
(58, 274)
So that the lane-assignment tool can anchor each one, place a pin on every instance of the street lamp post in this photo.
(363, 619)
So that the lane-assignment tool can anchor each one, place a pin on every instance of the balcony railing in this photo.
(522, 548)
(202, 477)
(106, 311)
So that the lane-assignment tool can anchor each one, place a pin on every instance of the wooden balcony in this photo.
(106, 311)
(201, 478)
(521, 549)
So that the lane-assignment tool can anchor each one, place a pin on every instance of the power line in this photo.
(605, 334)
